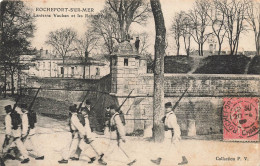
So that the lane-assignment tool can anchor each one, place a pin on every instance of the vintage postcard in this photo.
(129, 82)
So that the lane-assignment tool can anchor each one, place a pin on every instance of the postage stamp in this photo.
(240, 119)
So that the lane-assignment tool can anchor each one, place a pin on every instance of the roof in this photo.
(125, 49)
(81, 64)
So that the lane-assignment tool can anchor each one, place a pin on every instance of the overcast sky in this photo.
(47, 24)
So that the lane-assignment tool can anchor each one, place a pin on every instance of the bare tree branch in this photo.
(127, 12)
(62, 41)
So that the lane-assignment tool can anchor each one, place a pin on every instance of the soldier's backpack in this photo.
(16, 120)
(81, 119)
(32, 119)
(122, 118)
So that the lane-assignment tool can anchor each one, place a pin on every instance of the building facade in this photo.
(48, 65)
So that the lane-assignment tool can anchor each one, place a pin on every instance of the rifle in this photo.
(31, 105)
(7, 140)
(16, 101)
(80, 105)
(124, 101)
(29, 109)
(176, 104)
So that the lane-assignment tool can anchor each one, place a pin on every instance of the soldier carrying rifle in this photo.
(117, 134)
(172, 137)
(13, 133)
(78, 134)
(79, 137)
(83, 115)
(29, 120)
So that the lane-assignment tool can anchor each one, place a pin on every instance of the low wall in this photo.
(203, 85)
(203, 101)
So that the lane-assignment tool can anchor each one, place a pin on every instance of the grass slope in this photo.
(177, 64)
(224, 64)
(48, 107)
(254, 67)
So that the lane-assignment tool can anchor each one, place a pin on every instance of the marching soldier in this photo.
(13, 132)
(28, 130)
(117, 134)
(89, 142)
(89, 137)
(78, 133)
(172, 137)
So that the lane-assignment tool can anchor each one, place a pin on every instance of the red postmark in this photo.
(240, 119)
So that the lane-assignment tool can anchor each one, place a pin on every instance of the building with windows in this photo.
(45, 64)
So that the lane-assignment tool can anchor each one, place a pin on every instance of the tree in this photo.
(62, 42)
(200, 21)
(84, 46)
(218, 19)
(17, 27)
(106, 26)
(158, 105)
(129, 11)
(144, 43)
(253, 13)
(235, 19)
(176, 29)
(186, 33)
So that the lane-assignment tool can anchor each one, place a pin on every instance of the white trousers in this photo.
(171, 154)
(78, 142)
(118, 145)
(30, 143)
(20, 146)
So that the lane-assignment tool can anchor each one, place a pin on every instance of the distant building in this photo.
(46, 64)
(211, 44)
(211, 48)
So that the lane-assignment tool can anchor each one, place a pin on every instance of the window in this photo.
(97, 71)
(72, 70)
(125, 62)
(115, 62)
(61, 70)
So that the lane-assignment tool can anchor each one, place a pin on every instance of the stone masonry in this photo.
(199, 112)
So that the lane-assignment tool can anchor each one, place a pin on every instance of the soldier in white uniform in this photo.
(13, 131)
(89, 143)
(28, 131)
(78, 132)
(172, 140)
(117, 134)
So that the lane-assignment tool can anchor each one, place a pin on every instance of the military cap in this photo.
(168, 105)
(72, 108)
(87, 102)
(8, 108)
(24, 105)
(113, 107)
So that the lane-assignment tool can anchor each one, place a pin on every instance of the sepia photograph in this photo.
(129, 82)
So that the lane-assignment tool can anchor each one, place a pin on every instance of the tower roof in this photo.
(125, 49)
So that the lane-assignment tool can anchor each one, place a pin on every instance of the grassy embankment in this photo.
(224, 64)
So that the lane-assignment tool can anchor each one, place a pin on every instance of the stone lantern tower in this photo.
(126, 65)
(124, 69)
